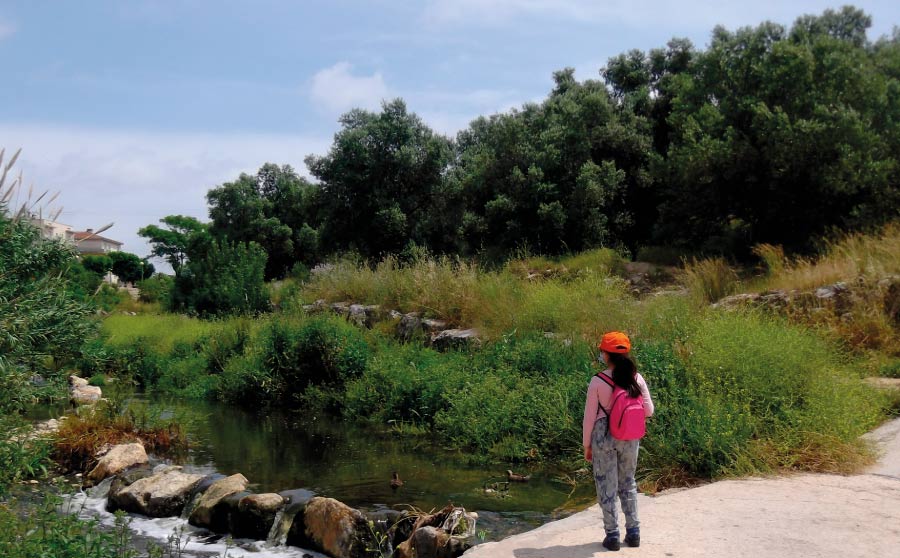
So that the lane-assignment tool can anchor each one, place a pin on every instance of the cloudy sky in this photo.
(134, 109)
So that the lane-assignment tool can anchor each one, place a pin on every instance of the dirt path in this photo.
(789, 517)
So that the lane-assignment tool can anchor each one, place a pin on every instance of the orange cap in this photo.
(615, 342)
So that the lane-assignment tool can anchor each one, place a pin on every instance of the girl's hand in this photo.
(588, 454)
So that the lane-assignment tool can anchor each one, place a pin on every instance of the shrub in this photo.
(36, 529)
(156, 289)
(21, 458)
(226, 279)
(322, 351)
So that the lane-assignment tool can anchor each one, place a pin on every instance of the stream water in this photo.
(278, 451)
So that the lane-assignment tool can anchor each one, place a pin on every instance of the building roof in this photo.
(83, 235)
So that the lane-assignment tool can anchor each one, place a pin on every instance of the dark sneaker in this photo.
(611, 543)
(633, 539)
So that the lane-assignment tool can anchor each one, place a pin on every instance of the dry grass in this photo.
(709, 280)
(870, 256)
(81, 437)
(495, 302)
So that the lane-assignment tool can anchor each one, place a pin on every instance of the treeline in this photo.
(770, 135)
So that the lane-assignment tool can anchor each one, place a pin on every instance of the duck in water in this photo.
(395, 481)
(513, 477)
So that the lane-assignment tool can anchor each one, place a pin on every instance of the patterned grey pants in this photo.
(614, 464)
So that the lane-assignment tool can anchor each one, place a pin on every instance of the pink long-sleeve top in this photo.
(600, 393)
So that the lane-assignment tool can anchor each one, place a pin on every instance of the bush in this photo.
(226, 279)
(21, 458)
(323, 351)
(156, 289)
(39, 529)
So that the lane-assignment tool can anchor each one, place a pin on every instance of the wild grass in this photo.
(709, 280)
(164, 332)
(870, 256)
(466, 296)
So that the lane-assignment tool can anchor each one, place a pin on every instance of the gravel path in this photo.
(790, 517)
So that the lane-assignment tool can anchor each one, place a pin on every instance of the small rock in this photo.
(410, 326)
(455, 339)
(76, 381)
(118, 459)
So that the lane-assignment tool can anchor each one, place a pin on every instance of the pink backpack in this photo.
(625, 419)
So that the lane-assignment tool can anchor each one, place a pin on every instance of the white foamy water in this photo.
(92, 504)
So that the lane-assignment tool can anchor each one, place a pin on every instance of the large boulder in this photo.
(163, 494)
(455, 339)
(116, 460)
(255, 515)
(223, 515)
(336, 529)
(202, 514)
(291, 530)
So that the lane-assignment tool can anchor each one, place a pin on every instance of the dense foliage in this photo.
(770, 135)
(42, 323)
(222, 278)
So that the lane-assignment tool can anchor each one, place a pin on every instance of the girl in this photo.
(614, 461)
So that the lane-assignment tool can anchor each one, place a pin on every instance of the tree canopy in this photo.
(771, 134)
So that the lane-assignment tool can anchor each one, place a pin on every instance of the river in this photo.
(281, 450)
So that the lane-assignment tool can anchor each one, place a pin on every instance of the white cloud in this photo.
(135, 178)
(680, 16)
(337, 90)
(7, 29)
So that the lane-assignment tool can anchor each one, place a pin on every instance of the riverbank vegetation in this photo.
(739, 391)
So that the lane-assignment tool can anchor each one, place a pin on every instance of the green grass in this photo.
(737, 392)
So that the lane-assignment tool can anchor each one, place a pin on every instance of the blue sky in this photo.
(133, 110)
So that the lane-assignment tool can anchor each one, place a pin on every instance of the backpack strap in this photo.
(611, 384)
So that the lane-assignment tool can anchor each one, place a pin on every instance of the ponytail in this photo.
(625, 373)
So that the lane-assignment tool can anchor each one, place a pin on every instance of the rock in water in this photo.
(118, 459)
(163, 494)
(202, 516)
(255, 515)
(336, 529)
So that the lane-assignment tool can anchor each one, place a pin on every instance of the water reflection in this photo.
(279, 450)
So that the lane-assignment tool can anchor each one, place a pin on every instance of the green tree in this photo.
(127, 267)
(222, 278)
(382, 184)
(100, 265)
(171, 243)
(275, 209)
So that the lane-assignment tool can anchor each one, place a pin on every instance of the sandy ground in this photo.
(790, 517)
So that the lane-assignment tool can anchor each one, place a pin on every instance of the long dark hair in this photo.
(625, 373)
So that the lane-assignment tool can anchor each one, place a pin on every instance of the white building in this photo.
(87, 242)
(52, 229)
